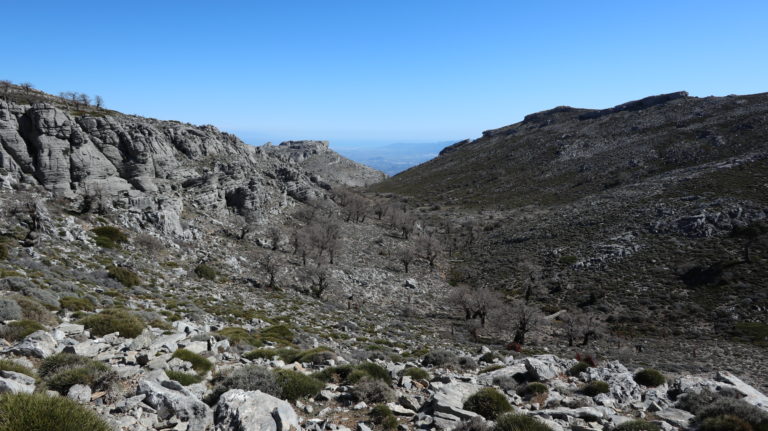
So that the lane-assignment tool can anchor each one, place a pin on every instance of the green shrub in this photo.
(3, 252)
(105, 242)
(125, 276)
(111, 232)
(240, 336)
(248, 378)
(6, 365)
(477, 423)
(295, 385)
(64, 370)
(488, 403)
(519, 422)
(490, 368)
(19, 329)
(269, 354)
(33, 310)
(467, 363)
(637, 425)
(649, 377)
(532, 389)
(440, 358)
(317, 355)
(280, 334)
(416, 373)
(577, 369)
(382, 415)
(488, 357)
(372, 391)
(337, 374)
(185, 379)
(725, 423)
(722, 406)
(40, 412)
(73, 303)
(113, 320)
(199, 363)
(205, 271)
(595, 387)
(375, 371)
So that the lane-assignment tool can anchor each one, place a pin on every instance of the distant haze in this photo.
(393, 158)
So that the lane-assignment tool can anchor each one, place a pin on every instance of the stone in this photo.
(449, 399)
(39, 344)
(80, 393)
(411, 283)
(178, 403)
(239, 410)
(71, 328)
(676, 417)
(546, 367)
(16, 383)
(751, 395)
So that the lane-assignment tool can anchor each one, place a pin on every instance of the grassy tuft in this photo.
(199, 363)
(40, 412)
(113, 320)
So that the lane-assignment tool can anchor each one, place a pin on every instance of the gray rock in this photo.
(179, 403)
(16, 383)
(675, 417)
(449, 399)
(751, 395)
(39, 344)
(547, 367)
(238, 410)
(80, 393)
(9, 309)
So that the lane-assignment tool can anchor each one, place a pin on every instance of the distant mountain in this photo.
(394, 158)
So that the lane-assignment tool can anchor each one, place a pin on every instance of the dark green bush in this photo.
(185, 379)
(267, 353)
(477, 423)
(317, 355)
(3, 252)
(109, 236)
(295, 385)
(722, 406)
(64, 370)
(595, 387)
(490, 368)
(488, 357)
(488, 403)
(725, 423)
(114, 320)
(650, 377)
(637, 425)
(382, 415)
(73, 303)
(240, 336)
(17, 330)
(372, 391)
(33, 310)
(205, 271)
(416, 373)
(337, 374)
(40, 412)
(532, 389)
(280, 334)
(519, 422)
(199, 363)
(440, 358)
(6, 365)
(577, 369)
(248, 378)
(374, 371)
(125, 276)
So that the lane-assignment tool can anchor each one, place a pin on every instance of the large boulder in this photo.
(39, 344)
(170, 399)
(239, 410)
(16, 383)
(547, 367)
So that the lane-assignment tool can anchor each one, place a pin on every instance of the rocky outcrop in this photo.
(239, 410)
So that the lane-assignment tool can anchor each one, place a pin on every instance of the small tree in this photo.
(319, 280)
(520, 318)
(99, 101)
(477, 303)
(272, 268)
(578, 325)
(429, 248)
(27, 87)
(84, 99)
(274, 235)
(406, 256)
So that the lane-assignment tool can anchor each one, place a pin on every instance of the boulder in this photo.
(16, 383)
(751, 395)
(80, 393)
(547, 367)
(176, 401)
(449, 400)
(239, 410)
(39, 344)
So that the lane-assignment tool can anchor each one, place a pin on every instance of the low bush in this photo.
(248, 378)
(19, 329)
(577, 369)
(372, 390)
(725, 423)
(3, 252)
(199, 363)
(64, 370)
(73, 303)
(637, 425)
(467, 363)
(374, 371)
(185, 379)
(113, 320)
(488, 357)
(280, 334)
(519, 422)
(240, 336)
(490, 368)
(650, 377)
(35, 311)
(125, 276)
(440, 358)
(295, 385)
(205, 271)
(7, 365)
(40, 412)
(595, 387)
(317, 355)
(722, 406)
(338, 374)
(416, 373)
(532, 389)
(109, 236)
(488, 403)
(382, 415)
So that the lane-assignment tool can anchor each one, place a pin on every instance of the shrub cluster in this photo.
(577, 369)
(295, 385)
(199, 363)
(595, 387)
(35, 311)
(7, 365)
(519, 422)
(248, 378)
(716, 414)
(349, 374)
(440, 358)
(73, 303)
(532, 389)
(19, 329)
(382, 415)
(114, 320)
(372, 390)
(185, 379)
(64, 370)
(650, 377)
(488, 403)
(205, 271)
(125, 276)
(637, 425)
(416, 373)
(109, 236)
(40, 412)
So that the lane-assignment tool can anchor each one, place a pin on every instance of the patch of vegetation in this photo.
(248, 378)
(40, 412)
(532, 389)
(750, 332)
(725, 423)
(125, 276)
(269, 354)
(113, 320)
(73, 303)
(7, 365)
(637, 425)
(650, 378)
(19, 329)
(109, 236)
(595, 387)
(205, 271)
(519, 422)
(185, 379)
(280, 334)
(416, 373)
(382, 415)
(295, 385)
(3, 252)
(440, 358)
(372, 391)
(374, 371)
(577, 369)
(491, 368)
(240, 336)
(338, 374)
(35, 311)
(64, 370)
(714, 414)
(488, 357)
(199, 363)
(488, 403)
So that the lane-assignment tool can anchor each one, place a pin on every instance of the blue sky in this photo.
(387, 71)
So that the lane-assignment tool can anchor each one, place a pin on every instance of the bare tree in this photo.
(319, 280)
(477, 303)
(99, 101)
(84, 99)
(530, 276)
(272, 268)
(519, 317)
(579, 325)
(325, 235)
(380, 209)
(402, 221)
(429, 248)
(27, 87)
(6, 86)
(406, 256)
(274, 234)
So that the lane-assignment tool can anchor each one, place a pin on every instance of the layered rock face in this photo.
(159, 168)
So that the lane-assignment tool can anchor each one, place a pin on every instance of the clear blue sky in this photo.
(383, 71)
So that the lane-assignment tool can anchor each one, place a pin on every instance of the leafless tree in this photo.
(27, 87)
(530, 277)
(581, 326)
(272, 268)
(319, 280)
(380, 209)
(522, 319)
(6, 86)
(402, 221)
(470, 230)
(274, 234)
(84, 99)
(99, 101)
(325, 236)
(406, 256)
(430, 248)
(477, 303)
